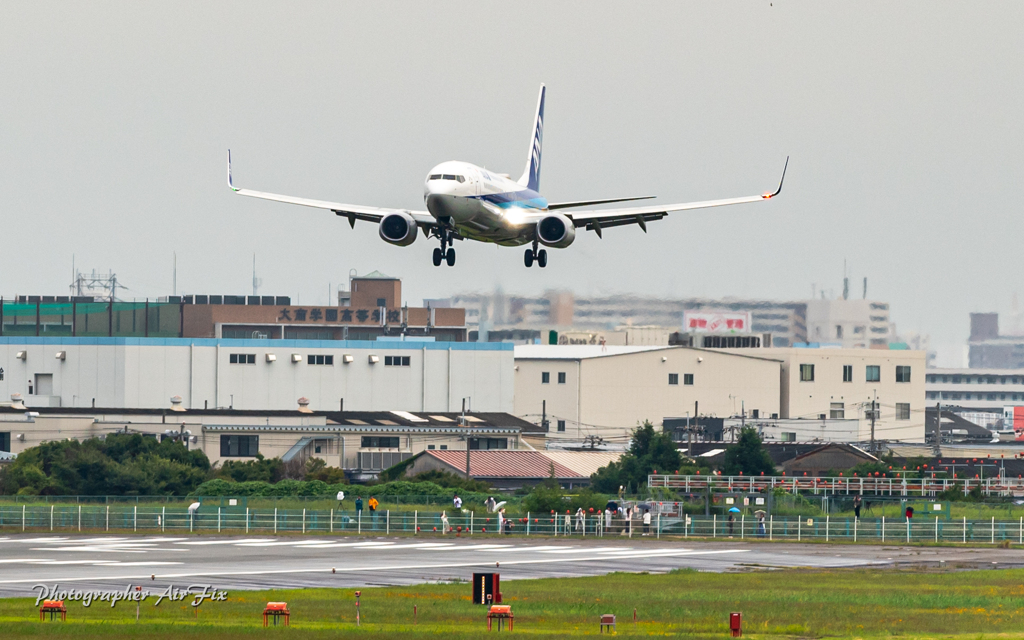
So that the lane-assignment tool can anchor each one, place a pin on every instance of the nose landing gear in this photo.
(541, 256)
(444, 253)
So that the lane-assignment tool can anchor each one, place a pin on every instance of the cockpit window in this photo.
(447, 176)
(436, 176)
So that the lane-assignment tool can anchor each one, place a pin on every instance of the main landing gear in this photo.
(541, 257)
(444, 253)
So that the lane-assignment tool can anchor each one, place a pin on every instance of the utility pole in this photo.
(689, 437)
(873, 413)
(465, 425)
(544, 415)
(694, 426)
(937, 445)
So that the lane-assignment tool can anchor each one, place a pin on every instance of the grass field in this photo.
(844, 604)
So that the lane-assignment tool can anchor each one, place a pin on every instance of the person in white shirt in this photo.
(457, 501)
(501, 521)
(581, 519)
(647, 521)
(445, 527)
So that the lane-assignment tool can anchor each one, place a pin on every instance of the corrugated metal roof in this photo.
(585, 463)
(504, 464)
(579, 351)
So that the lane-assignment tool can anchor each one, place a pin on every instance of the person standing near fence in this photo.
(445, 527)
(760, 524)
(359, 506)
(647, 521)
(856, 507)
(373, 504)
(457, 502)
(581, 519)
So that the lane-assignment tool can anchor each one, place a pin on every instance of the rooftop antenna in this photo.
(256, 282)
(846, 282)
(865, 287)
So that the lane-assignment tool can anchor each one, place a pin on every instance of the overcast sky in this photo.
(903, 121)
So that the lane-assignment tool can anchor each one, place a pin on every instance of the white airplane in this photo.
(467, 202)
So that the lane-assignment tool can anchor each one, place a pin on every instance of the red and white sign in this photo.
(716, 321)
(1013, 417)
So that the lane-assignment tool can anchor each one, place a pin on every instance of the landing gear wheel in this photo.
(528, 258)
(437, 257)
(542, 258)
(450, 257)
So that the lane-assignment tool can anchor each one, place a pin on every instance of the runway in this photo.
(236, 562)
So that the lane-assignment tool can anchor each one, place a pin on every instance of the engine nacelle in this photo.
(398, 228)
(556, 230)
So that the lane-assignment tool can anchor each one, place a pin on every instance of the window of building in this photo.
(5, 441)
(488, 443)
(673, 378)
(444, 447)
(561, 377)
(545, 377)
(688, 378)
(755, 413)
(903, 411)
(837, 411)
(561, 425)
(430, 446)
(320, 360)
(807, 373)
(902, 373)
(397, 361)
(873, 373)
(847, 373)
(242, 358)
(239, 446)
(991, 396)
(839, 331)
(858, 330)
(380, 442)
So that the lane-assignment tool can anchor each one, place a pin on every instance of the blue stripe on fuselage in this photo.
(526, 198)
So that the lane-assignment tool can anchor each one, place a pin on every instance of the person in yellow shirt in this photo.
(373, 504)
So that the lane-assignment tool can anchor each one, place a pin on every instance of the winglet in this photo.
(230, 183)
(779, 190)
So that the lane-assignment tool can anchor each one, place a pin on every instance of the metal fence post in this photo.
(883, 528)
(303, 520)
(135, 518)
(743, 525)
(714, 525)
(471, 513)
(22, 517)
(247, 519)
(332, 521)
(659, 527)
(387, 522)
(965, 529)
(218, 519)
(359, 521)
(771, 526)
(108, 518)
(79, 518)
(51, 517)
(415, 523)
(527, 523)
(908, 530)
(163, 519)
(275, 519)
(936, 528)
(993, 529)
(856, 521)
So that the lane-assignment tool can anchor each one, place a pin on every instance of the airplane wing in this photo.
(597, 220)
(351, 211)
(587, 203)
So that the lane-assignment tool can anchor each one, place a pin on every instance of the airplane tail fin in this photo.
(531, 176)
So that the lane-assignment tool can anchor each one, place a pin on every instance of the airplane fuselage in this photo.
(480, 205)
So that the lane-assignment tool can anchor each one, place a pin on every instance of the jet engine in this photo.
(556, 231)
(398, 228)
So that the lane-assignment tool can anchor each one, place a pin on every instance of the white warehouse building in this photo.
(383, 375)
